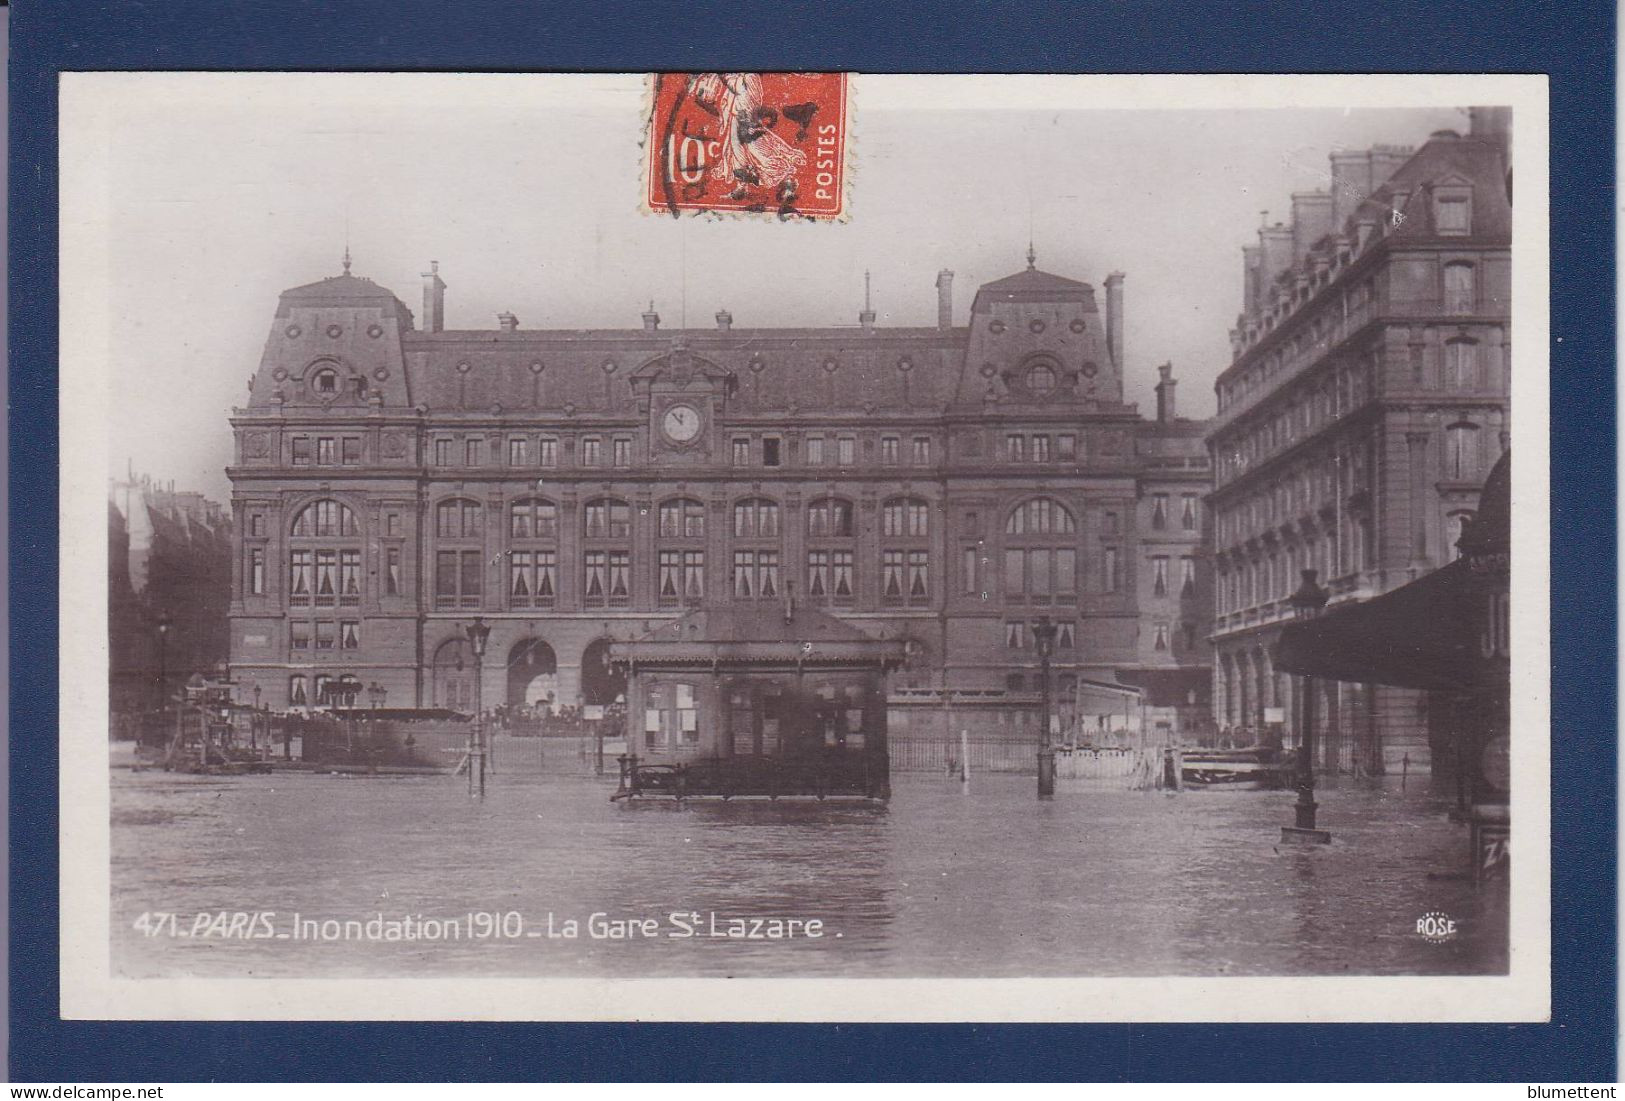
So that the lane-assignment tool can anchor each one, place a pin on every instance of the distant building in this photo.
(945, 485)
(169, 556)
(1366, 402)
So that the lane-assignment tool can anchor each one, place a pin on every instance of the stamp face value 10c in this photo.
(753, 143)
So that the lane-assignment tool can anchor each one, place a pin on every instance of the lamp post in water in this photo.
(163, 661)
(1306, 603)
(1044, 640)
(478, 633)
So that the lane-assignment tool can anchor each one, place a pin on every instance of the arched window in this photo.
(681, 567)
(756, 549)
(1460, 288)
(324, 555)
(607, 570)
(533, 557)
(459, 562)
(905, 576)
(831, 568)
(1040, 553)
(1041, 379)
(1461, 452)
(1461, 365)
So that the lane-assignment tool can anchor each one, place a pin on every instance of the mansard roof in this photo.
(1033, 285)
(343, 290)
(773, 370)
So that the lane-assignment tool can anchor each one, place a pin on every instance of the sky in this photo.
(222, 190)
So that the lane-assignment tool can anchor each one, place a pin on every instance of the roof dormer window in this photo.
(1453, 208)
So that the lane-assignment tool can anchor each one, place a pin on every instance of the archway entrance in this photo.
(601, 685)
(533, 675)
(453, 682)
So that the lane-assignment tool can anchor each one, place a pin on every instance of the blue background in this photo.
(1573, 42)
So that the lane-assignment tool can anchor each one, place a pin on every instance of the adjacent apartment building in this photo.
(949, 485)
(1366, 401)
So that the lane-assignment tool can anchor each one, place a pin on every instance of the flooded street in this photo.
(942, 882)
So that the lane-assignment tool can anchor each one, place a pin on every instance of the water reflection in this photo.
(941, 882)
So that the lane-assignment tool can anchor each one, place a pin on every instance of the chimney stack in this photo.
(1114, 319)
(651, 320)
(507, 321)
(1492, 124)
(434, 299)
(866, 317)
(1275, 255)
(1351, 184)
(1165, 393)
(1311, 220)
(945, 299)
(1250, 297)
(725, 320)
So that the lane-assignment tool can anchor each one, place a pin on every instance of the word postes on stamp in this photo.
(754, 143)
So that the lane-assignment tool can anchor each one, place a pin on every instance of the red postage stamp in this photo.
(756, 143)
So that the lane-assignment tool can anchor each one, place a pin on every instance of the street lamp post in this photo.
(1306, 603)
(163, 661)
(478, 633)
(1044, 640)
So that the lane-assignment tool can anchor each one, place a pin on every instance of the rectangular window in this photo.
(256, 525)
(299, 635)
(623, 451)
(891, 577)
(392, 572)
(442, 453)
(327, 581)
(815, 451)
(1015, 635)
(1450, 215)
(324, 635)
(968, 570)
(349, 635)
(1066, 447)
(392, 524)
(1159, 639)
(818, 574)
(1187, 576)
(1015, 577)
(547, 452)
(1190, 513)
(741, 452)
(770, 451)
(1040, 449)
(919, 580)
(744, 574)
(889, 446)
(846, 449)
(518, 452)
(1038, 573)
(1015, 448)
(597, 577)
(1159, 575)
(457, 581)
(302, 580)
(326, 453)
(301, 451)
(1066, 574)
(669, 580)
(922, 450)
(592, 451)
(1159, 511)
(608, 577)
(350, 578)
(352, 451)
(843, 586)
(1459, 291)
(1109, 579)
(694, 575)
(474, 453)
(256, 571)
(1066, 636)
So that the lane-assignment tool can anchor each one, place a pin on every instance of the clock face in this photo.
(681, 423)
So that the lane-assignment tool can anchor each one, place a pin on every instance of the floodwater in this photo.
(984, 881)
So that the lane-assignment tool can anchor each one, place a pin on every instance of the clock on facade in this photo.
(681, 423)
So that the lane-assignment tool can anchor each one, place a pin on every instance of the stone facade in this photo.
(945, 485)
(1366, 402)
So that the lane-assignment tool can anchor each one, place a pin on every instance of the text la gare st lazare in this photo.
(476, 926)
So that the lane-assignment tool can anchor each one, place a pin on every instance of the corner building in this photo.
(1365, 405)
(946, 486)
